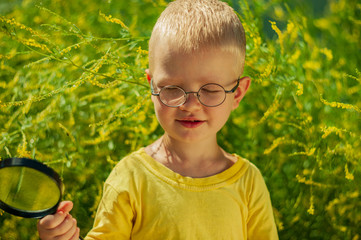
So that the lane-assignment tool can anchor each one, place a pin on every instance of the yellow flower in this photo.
(340, 105)
(2, 85)
(292, 30)
(348, 175)
(280, 14)
(354, 77)
(338, 6)
(267, 71)
(279, 33)
(22, 152)
(113, 20)
(19, 25)
(282, 140)
(294, 57)
(327, 53)
(322, 23)
(312, 65)
(341, 62)
(335, 74)
(311, 210)
(311, 151)
(328, 130)
(299, 91)
(141, 51)
(273, 108)
(257, 41)
(308, 39)
(310, 182)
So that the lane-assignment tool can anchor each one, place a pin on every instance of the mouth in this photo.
(190, 123)
(191, 120)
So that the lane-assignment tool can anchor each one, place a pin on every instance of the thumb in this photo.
(53, 220)
(65, 206)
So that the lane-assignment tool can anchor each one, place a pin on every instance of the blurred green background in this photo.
(73, 95)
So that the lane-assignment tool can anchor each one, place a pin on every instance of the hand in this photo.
(59, 226)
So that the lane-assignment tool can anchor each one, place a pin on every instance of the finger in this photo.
(70, 232)
(65, 206)
(76, 235)
(52, 221)
(68, 223)
(60, 229)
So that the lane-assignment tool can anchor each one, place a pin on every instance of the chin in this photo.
(191, 138)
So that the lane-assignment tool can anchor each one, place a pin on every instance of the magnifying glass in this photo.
(29, 188)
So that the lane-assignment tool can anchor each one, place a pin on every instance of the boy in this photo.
(184, 186)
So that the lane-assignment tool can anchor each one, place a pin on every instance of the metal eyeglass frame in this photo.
(186, 93)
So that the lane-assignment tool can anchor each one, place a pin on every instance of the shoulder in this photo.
(127, 170)
(252, 179)
(131, 161)
(251, 170)
(254, 171)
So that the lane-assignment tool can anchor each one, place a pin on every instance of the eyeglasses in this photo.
(210, 94)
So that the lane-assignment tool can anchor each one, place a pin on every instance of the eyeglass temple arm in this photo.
(235, 87)
(152, 88)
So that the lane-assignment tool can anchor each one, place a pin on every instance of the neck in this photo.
(191, 153)
(201, 159)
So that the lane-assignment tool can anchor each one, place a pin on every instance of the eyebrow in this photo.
(168, 82)
(164, 82)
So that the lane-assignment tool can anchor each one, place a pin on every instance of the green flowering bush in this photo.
(73, 95)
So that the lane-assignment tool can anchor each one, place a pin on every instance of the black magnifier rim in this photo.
(34, 164)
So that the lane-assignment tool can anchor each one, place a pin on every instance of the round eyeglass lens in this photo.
(212, 95)
(172, 96)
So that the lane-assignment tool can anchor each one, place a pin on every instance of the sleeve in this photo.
(260, 222)
(114, 217)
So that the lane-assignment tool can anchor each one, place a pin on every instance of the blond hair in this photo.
(198, 25)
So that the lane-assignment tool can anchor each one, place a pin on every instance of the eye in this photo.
(211, 88)
(172, 92)
(172, 96)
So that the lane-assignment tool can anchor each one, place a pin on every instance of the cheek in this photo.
(158, 106)
(154, 99)
(162, 112)
(221, 116)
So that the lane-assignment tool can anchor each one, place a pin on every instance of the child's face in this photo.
(193, 121)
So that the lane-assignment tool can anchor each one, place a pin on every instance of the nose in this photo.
(192, 102)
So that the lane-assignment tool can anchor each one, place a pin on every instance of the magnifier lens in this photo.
(28, 189)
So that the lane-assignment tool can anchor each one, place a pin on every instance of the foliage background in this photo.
(73, 94)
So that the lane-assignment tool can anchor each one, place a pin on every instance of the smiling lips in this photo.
(190, 123)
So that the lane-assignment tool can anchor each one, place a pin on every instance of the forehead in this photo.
(203, 66)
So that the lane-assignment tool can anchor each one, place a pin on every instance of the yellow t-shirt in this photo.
(143, 199)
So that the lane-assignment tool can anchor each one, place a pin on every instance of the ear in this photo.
(149, 78)
(148, 75)
(244, 84)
